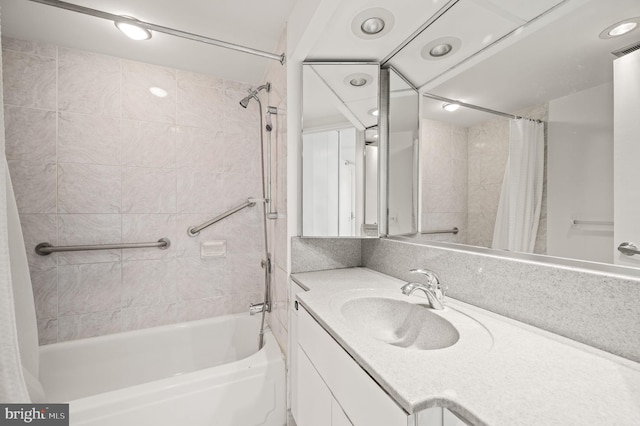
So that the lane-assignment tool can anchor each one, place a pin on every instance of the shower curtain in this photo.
(518, 214)
(13, 387)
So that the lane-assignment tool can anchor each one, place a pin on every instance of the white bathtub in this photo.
(206, 372)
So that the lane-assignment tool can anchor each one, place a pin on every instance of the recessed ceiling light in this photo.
(372, 25)
(441, 48)
(620, 28)
(374, 112)
(132, 31)
(450, 107)
(358, 80)
(158, 91)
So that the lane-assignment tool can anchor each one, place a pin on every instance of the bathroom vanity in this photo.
(365, 354)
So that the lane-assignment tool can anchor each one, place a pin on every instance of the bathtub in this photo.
(206, 372)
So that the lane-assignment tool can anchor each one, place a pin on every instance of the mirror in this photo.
(557, 68)
(340, 149)
(404, 102)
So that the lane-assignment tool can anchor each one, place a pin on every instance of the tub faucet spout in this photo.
(433, 289)
(257, 308)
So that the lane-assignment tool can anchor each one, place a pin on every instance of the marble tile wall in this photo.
(96, 158)
(444, 179)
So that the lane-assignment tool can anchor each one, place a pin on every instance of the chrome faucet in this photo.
(433, 289)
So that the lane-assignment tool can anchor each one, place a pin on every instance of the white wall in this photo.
(626, 155)
(580, 174)
(402, 181)
(320, 183)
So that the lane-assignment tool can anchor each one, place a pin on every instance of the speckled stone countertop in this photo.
(503, 372)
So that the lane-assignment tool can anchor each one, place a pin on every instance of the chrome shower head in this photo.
(245, 101)
(253, 94)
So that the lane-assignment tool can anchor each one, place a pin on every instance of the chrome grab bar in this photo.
(442, 231)
(591, 222)
(193, 231)
(44, 249)
(628, 248)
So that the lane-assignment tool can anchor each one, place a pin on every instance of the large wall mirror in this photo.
(340, 149)
(529, 120)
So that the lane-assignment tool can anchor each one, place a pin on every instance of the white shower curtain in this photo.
(13, 387)
(521, 197)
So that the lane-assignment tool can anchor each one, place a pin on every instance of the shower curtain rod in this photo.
(159, 28)
(478, 108)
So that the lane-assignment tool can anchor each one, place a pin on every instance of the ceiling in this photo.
(513, 53)
(564, 56)
(255, 24)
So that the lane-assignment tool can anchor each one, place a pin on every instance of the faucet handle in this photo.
(432, 277)
(433, 281)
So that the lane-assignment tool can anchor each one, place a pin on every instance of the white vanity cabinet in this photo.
(293, 348)
(333, 390)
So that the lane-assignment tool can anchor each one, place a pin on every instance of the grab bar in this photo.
(591, 222)
(44, 249)
(193, 231)
(442, 231)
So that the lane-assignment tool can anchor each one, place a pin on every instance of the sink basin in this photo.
(399, 323)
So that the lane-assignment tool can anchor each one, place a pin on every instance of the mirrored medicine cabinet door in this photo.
(340, 149)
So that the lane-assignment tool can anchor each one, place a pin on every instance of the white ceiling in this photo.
(563, 57)
(256, 24)
(330, 101)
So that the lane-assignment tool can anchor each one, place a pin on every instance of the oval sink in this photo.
(399, 323)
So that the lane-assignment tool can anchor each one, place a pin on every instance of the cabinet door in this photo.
(338, 417)
(314, 397)
(293, 348)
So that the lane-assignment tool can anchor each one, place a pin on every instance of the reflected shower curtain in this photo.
(521, 197)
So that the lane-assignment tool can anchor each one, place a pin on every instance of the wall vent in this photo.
(627, 49)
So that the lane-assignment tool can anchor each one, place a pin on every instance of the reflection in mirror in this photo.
(565, 78)
(403, 156)
(340, 150)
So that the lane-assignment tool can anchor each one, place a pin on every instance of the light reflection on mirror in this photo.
(339, 148)
(558, 70)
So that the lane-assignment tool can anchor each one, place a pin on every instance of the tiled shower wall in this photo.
(444, 179)
(96, 158)
(462, 174)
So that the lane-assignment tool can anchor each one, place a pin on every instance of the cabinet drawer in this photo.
(363, 401)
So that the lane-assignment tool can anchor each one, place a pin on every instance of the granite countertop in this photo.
(501, 372)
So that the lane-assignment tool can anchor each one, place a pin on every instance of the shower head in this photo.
(245, 101)
(253, 94)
